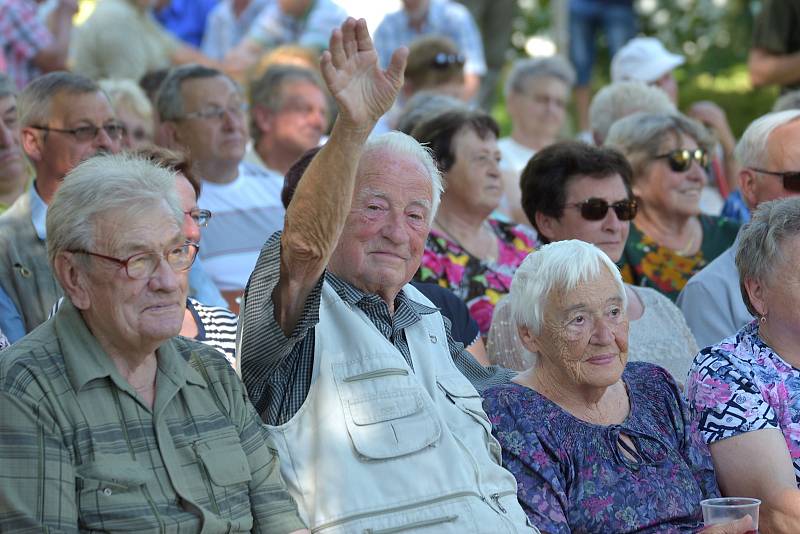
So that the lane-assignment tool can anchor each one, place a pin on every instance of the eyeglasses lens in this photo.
(595, 209)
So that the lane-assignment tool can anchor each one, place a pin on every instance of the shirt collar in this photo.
(38, 213)
(353, 295)
(85, 359)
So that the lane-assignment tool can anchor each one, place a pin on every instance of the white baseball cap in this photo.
(644, 59)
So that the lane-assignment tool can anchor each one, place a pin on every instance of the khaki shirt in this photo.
(80, 450)
(120, 40)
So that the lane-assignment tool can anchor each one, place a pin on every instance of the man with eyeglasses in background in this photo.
(64, 119)
(203, 111)
(769, 156)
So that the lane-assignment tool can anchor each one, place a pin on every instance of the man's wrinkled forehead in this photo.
(383, 171)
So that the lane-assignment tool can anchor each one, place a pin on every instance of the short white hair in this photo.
(561, 265)
(751, 151)
(402, 144)
(621, 99)
(118, 186)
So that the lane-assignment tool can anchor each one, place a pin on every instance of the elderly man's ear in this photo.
(72, 277)
(748, 180)
(31, 143)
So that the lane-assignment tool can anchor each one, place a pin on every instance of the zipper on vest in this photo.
(370, 375)
(412, 526)
(396, 509)
(496, 499)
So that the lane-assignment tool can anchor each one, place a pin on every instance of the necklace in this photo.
(490, 255)
(685, 250)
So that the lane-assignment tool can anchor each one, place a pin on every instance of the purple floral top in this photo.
(480, 284)
(574, 476)
(740, 385)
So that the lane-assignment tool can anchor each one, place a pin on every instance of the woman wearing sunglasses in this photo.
(669, 240)
(572, 190)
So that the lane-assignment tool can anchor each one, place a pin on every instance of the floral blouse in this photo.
(646, 263)
(574, 476)
(740, 385)
(480, 284)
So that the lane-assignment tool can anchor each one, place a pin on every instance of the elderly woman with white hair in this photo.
(595, 445)
(744, 392)
(670, 240)
(133, 110)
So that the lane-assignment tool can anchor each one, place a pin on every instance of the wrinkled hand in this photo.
(740, 526)
(350, 68)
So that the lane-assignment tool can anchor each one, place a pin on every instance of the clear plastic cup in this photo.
(726, 509)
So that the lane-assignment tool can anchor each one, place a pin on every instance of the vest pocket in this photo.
(112, 495)
(460, 392)
(391, 424)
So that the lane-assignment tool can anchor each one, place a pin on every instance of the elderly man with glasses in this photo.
(769, 155)
(111, 421)
(203, 111)
(64, 119)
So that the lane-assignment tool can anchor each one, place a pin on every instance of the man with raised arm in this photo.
(371, 405)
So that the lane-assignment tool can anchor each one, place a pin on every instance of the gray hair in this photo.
(621, 99)
(524, 70)
(790, 100)
(169, 99)
(33, 103)
(267, 91)
(7, 87)
(761, 242)
(127, 93)
(751, 151)
(121, 186)
(561, 265)
(641, 136)
(424, 105)
(399, 143)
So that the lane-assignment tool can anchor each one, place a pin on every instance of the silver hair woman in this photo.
(670, 240)
(744, 391)
(582, 427)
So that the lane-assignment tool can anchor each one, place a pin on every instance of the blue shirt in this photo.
(445, 18)
(735, 208)
(274, 27)
(224, 30)
(186, 19)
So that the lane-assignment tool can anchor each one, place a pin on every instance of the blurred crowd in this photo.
(263, 267)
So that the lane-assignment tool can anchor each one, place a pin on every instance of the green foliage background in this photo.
(714, 35)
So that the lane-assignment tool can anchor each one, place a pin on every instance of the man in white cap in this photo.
(647, 60)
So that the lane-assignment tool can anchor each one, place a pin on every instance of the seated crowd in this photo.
(240, 291)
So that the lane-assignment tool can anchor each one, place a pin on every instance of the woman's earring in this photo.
(763, 320)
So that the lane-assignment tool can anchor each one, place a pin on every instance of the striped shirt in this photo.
(277, 369)
(216, 327)
(79, 450)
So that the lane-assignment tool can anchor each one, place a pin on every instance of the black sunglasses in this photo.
(442, 60)
(680, 159)
(596, 209)
(791, 179)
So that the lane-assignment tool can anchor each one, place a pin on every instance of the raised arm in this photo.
(321, 203)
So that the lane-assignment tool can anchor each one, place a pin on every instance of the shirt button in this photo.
(107, 492)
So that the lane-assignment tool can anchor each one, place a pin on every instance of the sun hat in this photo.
(644, 59)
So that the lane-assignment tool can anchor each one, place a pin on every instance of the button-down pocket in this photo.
(226, 472)
(112, 495)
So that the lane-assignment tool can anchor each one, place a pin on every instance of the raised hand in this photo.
(350, 68)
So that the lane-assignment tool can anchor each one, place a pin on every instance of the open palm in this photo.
(362, 90)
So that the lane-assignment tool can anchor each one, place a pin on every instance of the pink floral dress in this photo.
(741, 385)
(480, 284)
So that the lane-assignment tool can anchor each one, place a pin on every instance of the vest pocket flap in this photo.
(457, 386)
(390, 425)
(226, 465)
(385, 407)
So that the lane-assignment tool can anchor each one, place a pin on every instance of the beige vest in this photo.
(380, 448)
(25, 273)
